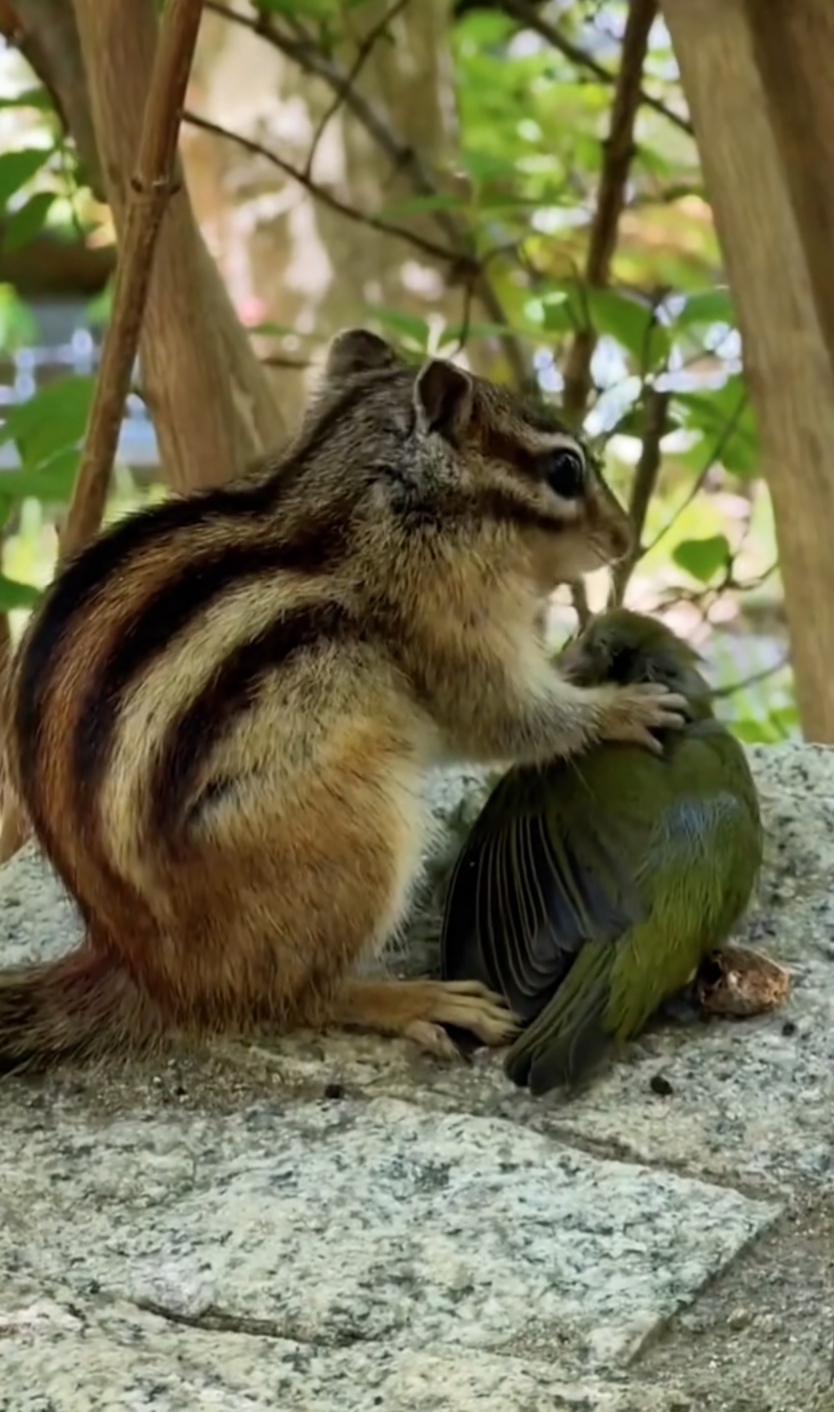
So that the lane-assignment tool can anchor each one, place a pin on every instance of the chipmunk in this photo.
(224, 710)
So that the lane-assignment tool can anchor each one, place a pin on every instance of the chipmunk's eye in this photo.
(564, 471)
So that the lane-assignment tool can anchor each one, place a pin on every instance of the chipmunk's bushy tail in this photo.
(80, 1007)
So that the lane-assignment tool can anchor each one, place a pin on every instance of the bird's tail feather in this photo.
(569, 1037)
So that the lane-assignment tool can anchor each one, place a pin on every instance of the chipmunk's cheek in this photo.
(574, 556)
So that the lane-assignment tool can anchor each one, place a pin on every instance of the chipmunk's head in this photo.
(457, 445)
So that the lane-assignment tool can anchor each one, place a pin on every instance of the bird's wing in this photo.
(533, 883)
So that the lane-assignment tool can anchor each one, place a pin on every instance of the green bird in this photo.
(590, 890)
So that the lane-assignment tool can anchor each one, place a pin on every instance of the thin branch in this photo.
(345, 83)
(150, 189)
(754, 678)
(714, 456)
(656, 414)
(309, 58)
(470, 272)
(582, 608)
(617, 155)
(365, 218)
(527, 14)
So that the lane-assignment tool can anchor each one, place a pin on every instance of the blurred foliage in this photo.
(515, 207)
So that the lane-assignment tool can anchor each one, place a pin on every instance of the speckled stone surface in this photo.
(211, 1230)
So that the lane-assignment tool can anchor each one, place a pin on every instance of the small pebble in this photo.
(739, 1319)
(659, 1084)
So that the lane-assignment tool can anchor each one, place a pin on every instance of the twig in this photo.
(714, 456)
(720, 692)
(529, 16)
(305, 54)
(618, 152)
(365, 218)
(150, 189)
(470, 271)
(602, 242)
(582, 608)
(656, 412)
(346, 82)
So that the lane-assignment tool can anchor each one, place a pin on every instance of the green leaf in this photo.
(753, 732)
(703, 558)
(29, 98)
(553, 312)
(299, 9)
(17, 326)
(455, 332)
(727, 421)
(16, 168)
(28, 221)
(711, 306)
(100, 306)
(54, 480)
(416, 204)
(407, 325)
(272, 330)
(52, 420)
(17, 595)
(632, 323)
(633, 422)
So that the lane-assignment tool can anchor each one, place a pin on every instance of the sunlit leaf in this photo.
(703, 558)
(17, 326)
(23, 225)
(456, 332)
(407, 325)
(710, 306)
(16, 595)
(272, 330)
(54, 480)
(299, 9)
(725, 417)
(16, 168)
(417, 204)
(29, 98)
(632, 323)
(54, 419)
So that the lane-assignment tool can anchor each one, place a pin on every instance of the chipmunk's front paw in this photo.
(434, 1040)
(471, 1006)
(636, 711)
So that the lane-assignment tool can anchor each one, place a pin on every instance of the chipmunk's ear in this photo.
(357, 350)
(444, 398)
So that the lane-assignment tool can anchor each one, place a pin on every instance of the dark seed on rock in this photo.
(658, 1084)
(335, 1092)
(789, 1027)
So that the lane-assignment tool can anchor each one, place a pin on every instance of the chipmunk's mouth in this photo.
(610, 554)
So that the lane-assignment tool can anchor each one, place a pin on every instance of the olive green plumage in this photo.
(589, 890)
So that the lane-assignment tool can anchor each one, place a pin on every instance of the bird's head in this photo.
(626, 648)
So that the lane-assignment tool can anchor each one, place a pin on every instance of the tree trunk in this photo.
(757, 79)
(211, 401)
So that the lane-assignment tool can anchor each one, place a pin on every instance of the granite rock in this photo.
(211, 1230)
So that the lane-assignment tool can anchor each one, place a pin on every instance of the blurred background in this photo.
(516, 185)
